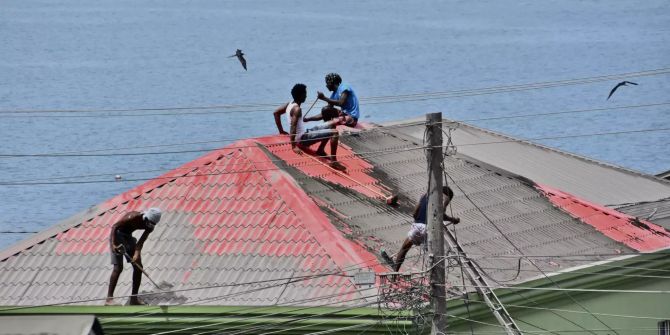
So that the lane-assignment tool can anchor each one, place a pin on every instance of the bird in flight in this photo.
(240, 56)
(623, 83)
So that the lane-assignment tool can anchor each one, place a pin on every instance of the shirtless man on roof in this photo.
(301, 136)
(123, 244)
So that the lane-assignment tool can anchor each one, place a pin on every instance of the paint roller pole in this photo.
(310, 108)
(141, 269)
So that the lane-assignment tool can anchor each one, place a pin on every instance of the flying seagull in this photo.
(623, 83)
(240, 56)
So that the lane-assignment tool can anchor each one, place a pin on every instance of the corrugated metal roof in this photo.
(496, 201)
(586, 178)
(230, 217)
(255, 212)
(636, 233)
(657, 212)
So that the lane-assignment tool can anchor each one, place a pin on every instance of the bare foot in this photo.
(337, 166)
(134, 301)
(109, 302)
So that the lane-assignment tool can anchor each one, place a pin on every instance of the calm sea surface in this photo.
(110, 55)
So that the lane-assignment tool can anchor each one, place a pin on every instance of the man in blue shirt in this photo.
(417, 233)
(344, 97)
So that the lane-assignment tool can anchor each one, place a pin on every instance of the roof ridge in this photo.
(541, 146)
(566, 153)
(119, 199)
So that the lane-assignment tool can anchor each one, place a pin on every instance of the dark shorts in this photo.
(128, 242)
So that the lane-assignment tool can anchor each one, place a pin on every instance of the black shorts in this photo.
(128, 242)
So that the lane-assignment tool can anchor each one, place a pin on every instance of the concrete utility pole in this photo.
(434, 224)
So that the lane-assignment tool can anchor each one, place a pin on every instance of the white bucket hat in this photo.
(153, 215)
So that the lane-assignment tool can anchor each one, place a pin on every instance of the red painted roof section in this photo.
(229, 216)
(640, 235)
(265, 196)
(356, 177)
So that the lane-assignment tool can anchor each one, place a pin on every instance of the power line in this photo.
(69, 302)
(18, 232)
(560, 289)
(186, 175)
(255, 308)
(579, 272)
(154, 109)
(362, 155)
(267, 314)
(578, 312)
(78, 153)
(575, 111)
(349, 268)
(650, 130)
(516, 248)
(357, 266)
(369, 100)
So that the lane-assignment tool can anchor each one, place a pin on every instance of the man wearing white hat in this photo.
(122, 243)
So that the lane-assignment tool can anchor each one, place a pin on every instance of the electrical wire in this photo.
(357, 266)
(502, 233)
(282, 312)
(579, 312)
(283, 305)
(260, 327)
(18, 232)
(284, 283)
(578, 272)
(74, 153)
(575, 111)
(365, 101)
(69, 302)
(589, 290)
(208, 325)
(362, 155)
(187, 175)
(520, 252)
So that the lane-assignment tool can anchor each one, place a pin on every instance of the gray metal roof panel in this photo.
(583, 177)
(657, 212)
(219, 231)
(525, 216)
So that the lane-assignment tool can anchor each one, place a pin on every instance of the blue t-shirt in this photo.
(351, 105)
(423, 210)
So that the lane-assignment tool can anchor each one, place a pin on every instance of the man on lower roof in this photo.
(301, 136)
(123, 244)
(417, 234)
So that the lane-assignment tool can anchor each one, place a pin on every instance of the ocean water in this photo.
(97, 56)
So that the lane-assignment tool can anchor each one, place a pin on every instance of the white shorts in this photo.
(417, 234)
